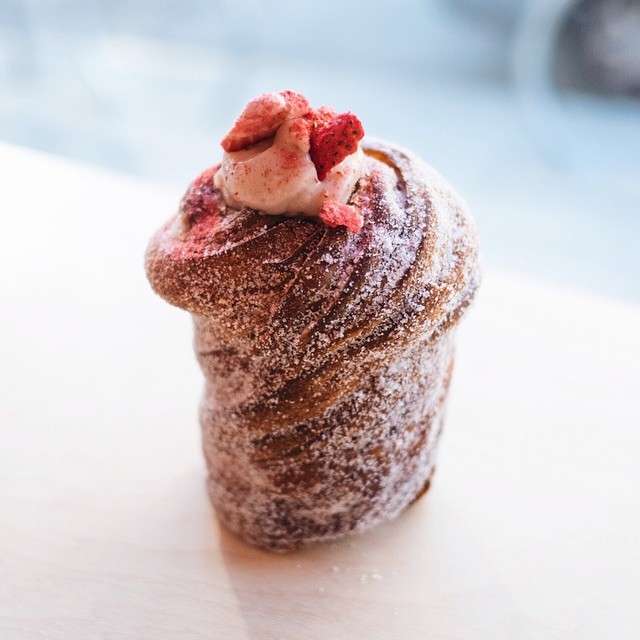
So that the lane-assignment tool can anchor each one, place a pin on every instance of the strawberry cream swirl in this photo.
(284, 158)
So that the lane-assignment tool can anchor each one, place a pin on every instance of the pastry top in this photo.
(299, 293)
(282, 157)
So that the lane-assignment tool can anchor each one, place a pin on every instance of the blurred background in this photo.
(531, 108)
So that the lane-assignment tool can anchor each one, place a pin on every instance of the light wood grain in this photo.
(531, 529)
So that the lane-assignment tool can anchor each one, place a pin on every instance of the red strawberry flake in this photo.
(336, 214)
(201, 199)
(321, 115)
(261, 118)
(333, 141)
(199, 211)
(297, 104)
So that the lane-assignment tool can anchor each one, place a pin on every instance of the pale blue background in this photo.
(147, 88)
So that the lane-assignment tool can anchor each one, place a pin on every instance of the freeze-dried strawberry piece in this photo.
(261, 118)
(321, 115)
(336, 214)
(201, 199)
(297, 104)
(333, 140)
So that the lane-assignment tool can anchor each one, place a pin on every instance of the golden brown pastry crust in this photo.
(327, 355)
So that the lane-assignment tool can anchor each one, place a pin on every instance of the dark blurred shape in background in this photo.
(530, 108)
(600, 48)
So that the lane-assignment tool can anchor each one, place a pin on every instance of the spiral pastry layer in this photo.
(327, 355)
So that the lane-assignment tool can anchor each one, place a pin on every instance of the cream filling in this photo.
(277, 176)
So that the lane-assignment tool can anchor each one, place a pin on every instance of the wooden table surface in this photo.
(531, 528)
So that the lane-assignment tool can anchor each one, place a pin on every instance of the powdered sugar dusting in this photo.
(327, 355)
